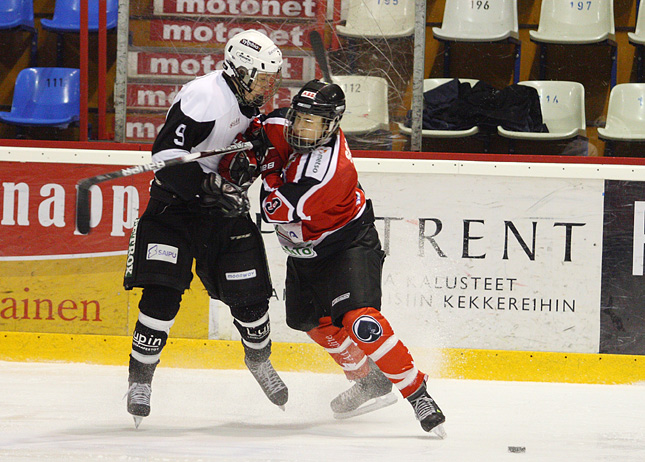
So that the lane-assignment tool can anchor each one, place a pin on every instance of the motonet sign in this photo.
(269, 9)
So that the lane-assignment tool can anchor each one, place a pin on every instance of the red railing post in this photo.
(83, 52)
(102, 105)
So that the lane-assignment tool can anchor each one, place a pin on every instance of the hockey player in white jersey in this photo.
(196, 215)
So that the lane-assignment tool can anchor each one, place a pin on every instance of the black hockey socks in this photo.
(149, 338)
(257, 350)
(255, 338)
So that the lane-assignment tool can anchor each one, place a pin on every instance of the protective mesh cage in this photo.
(369, 49)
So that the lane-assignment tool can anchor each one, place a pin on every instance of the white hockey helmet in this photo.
(253, 63)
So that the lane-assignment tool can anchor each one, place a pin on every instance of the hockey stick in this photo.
(320, 54)
(84, 185)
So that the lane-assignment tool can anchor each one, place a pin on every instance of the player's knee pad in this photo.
(160, 302)
(255, 334)
(341, 348)
(149, 338)
(368, 328)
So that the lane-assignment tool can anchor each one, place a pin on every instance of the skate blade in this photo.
(370, 406)
(440, 432)
(137, 420)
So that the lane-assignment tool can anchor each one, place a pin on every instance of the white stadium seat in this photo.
(625, 115)
(367, 103)
(378, 19)
(485, 21)
(576, 23)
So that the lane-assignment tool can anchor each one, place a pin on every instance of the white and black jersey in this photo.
(204, 115)
(175, 230)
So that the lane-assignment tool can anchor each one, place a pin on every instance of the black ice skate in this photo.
(427, 411)
(368, 394)
(269, 380)
(139, 389)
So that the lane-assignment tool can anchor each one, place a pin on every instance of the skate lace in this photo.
(139, 393)
(265, 373)
(423, 407)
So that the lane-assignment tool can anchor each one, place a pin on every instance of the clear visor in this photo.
(262, 88)
(305, 132)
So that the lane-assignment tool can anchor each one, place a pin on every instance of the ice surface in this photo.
(75, 412)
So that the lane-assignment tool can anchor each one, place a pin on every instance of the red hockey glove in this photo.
(239, 167)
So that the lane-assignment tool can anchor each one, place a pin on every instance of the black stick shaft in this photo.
(320, 54)
(84, 185)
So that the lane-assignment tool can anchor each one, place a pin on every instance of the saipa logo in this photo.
(162, 252)
(367, 329)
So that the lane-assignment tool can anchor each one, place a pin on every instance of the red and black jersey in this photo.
(314, 199)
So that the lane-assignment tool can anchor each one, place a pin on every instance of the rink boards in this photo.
(487, 259)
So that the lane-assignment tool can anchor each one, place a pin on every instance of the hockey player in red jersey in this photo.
(325, 224)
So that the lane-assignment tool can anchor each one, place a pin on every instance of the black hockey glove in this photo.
(230, 199)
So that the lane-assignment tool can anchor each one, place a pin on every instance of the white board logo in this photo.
(162, 252)
(250, 274)
(340, 298)
(318, 162)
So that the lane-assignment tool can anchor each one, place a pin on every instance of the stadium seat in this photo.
(576, 23)
(637, 38)
(429, 84)
(563, 111)
(67, 19)
(625, 115)
(378, 19)
(46, 97)
(468, 21)
(67, 16)
(367, 103)
(19, 14)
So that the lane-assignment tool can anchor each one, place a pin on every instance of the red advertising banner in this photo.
(156, 96)
(216, 33)
(143, 127)
(150, 95)
(182, 65)
(38, 210)
(259, 9)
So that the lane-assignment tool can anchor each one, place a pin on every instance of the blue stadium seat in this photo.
(67, 16)
(19, 14)
(46, 97)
